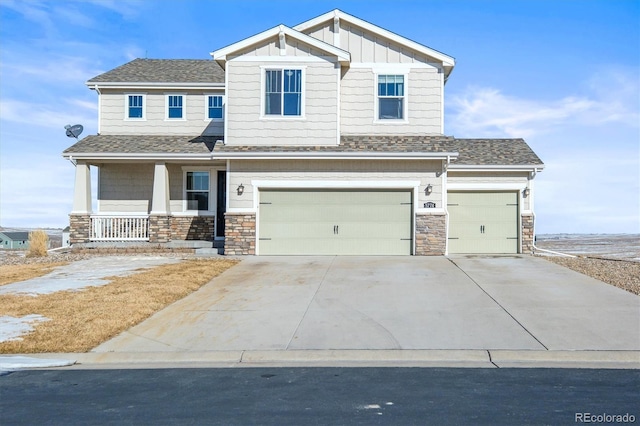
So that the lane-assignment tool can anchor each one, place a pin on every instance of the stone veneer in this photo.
(527, 234)
(431, 234)
(192, 228)
(159, 229)
(240, 233)
(79, 228)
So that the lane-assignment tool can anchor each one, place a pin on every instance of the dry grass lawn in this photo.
(14, 273)
(81, 320)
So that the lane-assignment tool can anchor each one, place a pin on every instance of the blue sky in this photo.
(562, 74)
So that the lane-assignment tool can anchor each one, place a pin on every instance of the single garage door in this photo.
(328, 222)
(483, 222)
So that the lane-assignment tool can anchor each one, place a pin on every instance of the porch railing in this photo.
(119, 228)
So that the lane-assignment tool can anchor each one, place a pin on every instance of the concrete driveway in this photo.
(462, 302)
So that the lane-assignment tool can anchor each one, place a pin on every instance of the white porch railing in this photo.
(119, 228)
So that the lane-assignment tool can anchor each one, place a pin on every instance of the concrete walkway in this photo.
(479, 311)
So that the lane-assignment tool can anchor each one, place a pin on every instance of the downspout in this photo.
(74, 162)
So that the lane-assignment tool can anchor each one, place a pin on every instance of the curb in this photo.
(341, 358)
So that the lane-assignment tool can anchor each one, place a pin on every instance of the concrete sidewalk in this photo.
(477, 311)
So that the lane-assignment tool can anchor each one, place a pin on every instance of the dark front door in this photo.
(221, 202)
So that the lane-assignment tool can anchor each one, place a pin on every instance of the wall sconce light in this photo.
(525, 193)
(428, 190)
(240, 189)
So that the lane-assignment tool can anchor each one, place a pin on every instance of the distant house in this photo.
(14, 240)
(66, 237)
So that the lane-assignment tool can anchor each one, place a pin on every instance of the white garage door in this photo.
(328, 222)
(483, 222)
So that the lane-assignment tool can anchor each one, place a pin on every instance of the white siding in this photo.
(244, 172)
(245, 126)
(125, 188)
(423, 109)
(113, 112)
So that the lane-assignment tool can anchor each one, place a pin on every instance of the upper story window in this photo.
(197, 190)
(283, 92)
(175, 106)
(214, 107)
(391, 95)
(135, 107)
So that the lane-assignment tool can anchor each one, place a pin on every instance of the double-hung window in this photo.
(214, 107)
(283, 92)
(135, 107)
(175, 106)
(391, 96)
(197, 190)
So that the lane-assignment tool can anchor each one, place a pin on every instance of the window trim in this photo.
(206, 106)
(303, 97)
(405, 98)
(166, 107)
(144, 107)
(212, 202)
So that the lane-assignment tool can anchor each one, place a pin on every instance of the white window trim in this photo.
(166, 106)
(405, 102)
(212, 195)
(263, 69)
(126, 107)
(206, 107)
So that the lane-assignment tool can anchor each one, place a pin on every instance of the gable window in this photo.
(174, 106)
(391, 95)
(135, 107)
(197, 190)
(283, 92)
(214, 107)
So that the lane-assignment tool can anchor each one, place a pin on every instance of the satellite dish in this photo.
(74, 131)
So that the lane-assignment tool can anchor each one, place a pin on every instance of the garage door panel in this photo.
(483, 222)
(335, 222)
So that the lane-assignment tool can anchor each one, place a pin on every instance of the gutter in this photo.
(265, 155)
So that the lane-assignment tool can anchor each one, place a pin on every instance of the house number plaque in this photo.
(430, 205)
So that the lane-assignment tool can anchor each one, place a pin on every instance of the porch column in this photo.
(82, 190)
(159, 220)
(160, 200)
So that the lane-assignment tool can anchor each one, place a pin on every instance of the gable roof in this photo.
(448, 62)
(464, 153)
(162, 71)
(220, 55)
(16, 235)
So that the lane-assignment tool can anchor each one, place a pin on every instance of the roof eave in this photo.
(151, 85)
(497, 167)
(338, 155)
(99, 156)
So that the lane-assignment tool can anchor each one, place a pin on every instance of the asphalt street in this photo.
(322, 396)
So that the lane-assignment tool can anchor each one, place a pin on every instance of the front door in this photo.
(221, 202)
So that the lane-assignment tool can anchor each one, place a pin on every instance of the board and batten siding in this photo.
(246, 124)
(423, 108)
(113, 119)
(321, 171)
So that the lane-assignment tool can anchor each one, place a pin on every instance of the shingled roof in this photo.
(482, 152)
(163, 71)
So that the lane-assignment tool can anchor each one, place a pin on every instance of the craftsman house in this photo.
(323, 138)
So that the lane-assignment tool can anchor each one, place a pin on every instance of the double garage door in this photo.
(483, 222)
(335, 222)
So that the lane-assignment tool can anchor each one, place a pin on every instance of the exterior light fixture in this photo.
(240, 189)
(525, 193)
(429, 189)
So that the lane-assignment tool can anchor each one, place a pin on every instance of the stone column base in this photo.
(239, 233)
(79, 228)
(192, 228)
(159, 229)
(431, 234)
(527, 234)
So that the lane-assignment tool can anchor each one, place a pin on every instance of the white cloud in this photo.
(488, 112)
(46, 115)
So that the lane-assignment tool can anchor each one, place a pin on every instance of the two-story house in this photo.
(323, 138)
